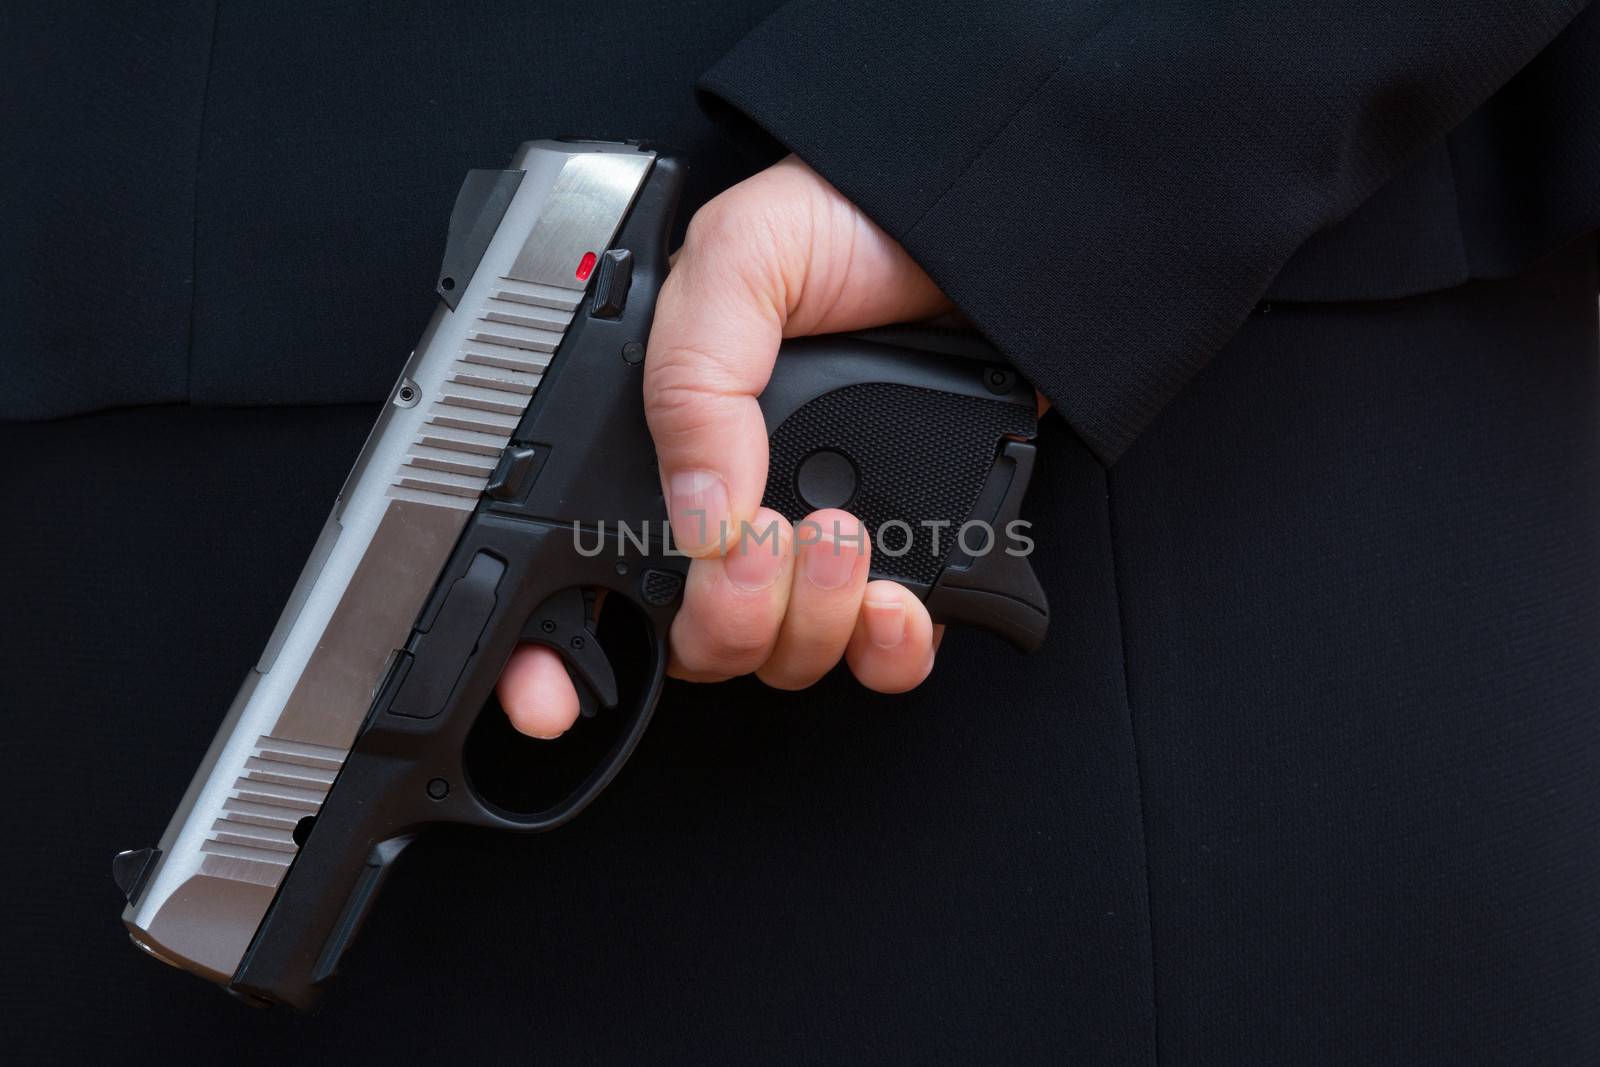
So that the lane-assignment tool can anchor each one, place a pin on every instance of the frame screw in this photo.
(999, 380)
(438, 789)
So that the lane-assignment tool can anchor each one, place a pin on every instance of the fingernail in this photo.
(829, 564)
(886, 622)
(754, 564)
(698, 510)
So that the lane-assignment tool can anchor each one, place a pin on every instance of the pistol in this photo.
(509, 483)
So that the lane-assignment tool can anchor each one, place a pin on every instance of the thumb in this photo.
(779, 255)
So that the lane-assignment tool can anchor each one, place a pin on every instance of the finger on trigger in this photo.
(537, 694)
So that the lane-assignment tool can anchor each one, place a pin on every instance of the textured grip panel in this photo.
(920, 455)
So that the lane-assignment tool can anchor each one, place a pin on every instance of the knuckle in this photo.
(799, 667)
(889, 678)
(748, 234)
(680, 387)
(740, 656)
(697, 668)
(714, 225)
(694, 658)
(786, 677)
(691, 366)
(739, 220)
(725, 651)
(729, 643)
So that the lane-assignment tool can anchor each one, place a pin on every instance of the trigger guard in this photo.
(564, 623)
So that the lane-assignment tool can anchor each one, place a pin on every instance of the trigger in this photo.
(565, 623)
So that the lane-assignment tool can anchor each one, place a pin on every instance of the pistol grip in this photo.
(926, 438)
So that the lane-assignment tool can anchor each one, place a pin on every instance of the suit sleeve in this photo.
(1107, 187)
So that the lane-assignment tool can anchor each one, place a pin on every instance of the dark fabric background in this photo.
(1361, 606)
(1306, 773)
(245, 203)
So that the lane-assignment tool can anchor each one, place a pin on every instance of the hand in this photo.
(780, 255)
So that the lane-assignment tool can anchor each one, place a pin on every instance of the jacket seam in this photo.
(1138, 762)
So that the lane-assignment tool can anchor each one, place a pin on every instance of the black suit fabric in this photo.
(1108, 187)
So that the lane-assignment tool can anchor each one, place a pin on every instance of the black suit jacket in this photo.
(1108, 188)
(1306, 771)
(1105, 187)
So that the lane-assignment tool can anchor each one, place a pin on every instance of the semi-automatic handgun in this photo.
(509, 481)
